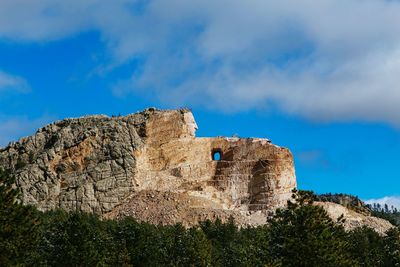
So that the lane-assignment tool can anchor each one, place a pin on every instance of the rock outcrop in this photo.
(354, 219)
(151, 166)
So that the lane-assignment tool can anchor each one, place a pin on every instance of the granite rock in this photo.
(150, 165)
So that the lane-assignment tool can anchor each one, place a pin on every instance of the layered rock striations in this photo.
(150, 165)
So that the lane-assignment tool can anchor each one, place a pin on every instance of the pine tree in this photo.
(392, 247)
(304, 235)
(366, 246)
(18, 225)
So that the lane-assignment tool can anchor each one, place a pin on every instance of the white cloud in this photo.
(313, 158)
(12, 127)
(12, 82)
(324, 60)
(390, 201)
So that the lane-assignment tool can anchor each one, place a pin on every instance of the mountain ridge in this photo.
(147, 163)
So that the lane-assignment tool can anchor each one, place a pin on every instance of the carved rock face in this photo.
(147, 163)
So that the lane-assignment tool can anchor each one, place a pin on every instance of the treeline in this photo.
(382, 208)
(346, 200)
(385, 211)
(300, 235)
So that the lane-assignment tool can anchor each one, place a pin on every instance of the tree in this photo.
(366, 246)
(18, 225)
(392, 247)
(304, 235)
(222, 237)
(386, 208)
(76, 239)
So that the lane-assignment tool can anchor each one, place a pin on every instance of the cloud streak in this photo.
(389, 200)
(12, 83)
(332, 60)
(19, 126)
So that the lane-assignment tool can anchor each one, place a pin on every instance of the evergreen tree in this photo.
(391, 249)
(366, 247)
(300, 235)
(304, 235)
(222, 237)
(75, 239)
(18, 225)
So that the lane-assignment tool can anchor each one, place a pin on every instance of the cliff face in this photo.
(354, 219)
(151, 166)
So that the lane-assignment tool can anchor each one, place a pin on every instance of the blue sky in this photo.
(319, 77)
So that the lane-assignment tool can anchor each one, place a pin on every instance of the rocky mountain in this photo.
(348, 201)
(354, 219)
(150, 165)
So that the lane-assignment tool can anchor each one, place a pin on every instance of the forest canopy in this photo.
(300, 235)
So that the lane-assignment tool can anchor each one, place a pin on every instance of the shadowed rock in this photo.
(150, 165)
(99, 164)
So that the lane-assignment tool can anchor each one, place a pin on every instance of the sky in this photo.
(319, 77)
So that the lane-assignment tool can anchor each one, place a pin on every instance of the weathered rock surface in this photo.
(150, 165)
(106, 165)
(354, 219)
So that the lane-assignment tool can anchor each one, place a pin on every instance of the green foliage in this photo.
(392, 216)
(300, 235)
(370, 249)
(304, 235)
(391, 247)
(18, 225)
(76, 239)
(349, 201)
(20, 164)
(366, 246)
(237, 247)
